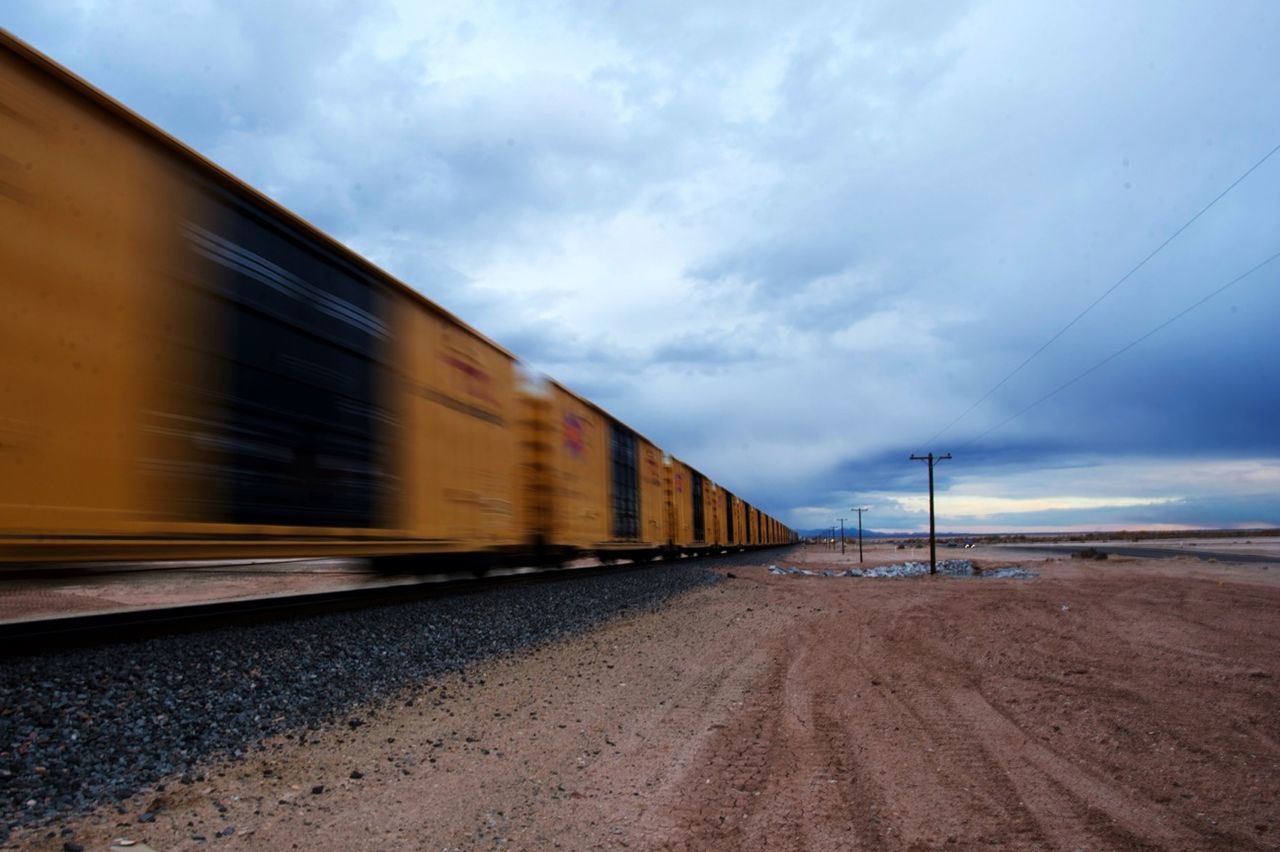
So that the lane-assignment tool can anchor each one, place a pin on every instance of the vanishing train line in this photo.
(190, 371)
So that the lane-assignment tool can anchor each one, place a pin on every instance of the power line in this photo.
(1179, 315)
(1108, 292)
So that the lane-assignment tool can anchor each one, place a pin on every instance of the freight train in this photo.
(188, 371)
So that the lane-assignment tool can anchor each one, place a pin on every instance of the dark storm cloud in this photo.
(1199, 385)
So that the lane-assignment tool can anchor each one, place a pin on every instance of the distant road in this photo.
(1148, 552)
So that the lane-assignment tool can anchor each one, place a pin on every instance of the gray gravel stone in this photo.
(83, 727)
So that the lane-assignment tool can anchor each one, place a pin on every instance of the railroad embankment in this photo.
(84, 728)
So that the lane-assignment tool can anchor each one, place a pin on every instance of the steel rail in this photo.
(28, 637)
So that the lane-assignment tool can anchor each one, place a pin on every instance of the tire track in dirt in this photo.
(709, 725)
(843, 805)
(1116, 806)
(1042, 796)
(1067, 801)
(742, 785)
(891, 730)
(963, 777)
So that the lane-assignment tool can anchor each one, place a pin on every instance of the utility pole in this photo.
(933, 542)
(841, 535)
(860, 510)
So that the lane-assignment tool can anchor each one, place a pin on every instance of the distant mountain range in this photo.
(866, 533)
(1102, 535)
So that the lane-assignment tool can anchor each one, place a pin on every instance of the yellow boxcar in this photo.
(597, 486)
(741, 532)
(693, 510)
(680, 485)
(710, 512)
(187, 369)
(729, 513)
(714, 513)
(724, 508)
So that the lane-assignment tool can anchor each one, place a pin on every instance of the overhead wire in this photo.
(1123, 349)
(1105, 294)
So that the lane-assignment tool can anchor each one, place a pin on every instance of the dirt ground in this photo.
(1119, 704)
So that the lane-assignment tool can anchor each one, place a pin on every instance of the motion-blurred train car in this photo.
(720, 521)
(593, 486)
(739, 522)
(187, 369)
(693, 509)
(727, 502)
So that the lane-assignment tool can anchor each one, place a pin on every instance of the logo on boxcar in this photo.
(475, 381)
(575, 435)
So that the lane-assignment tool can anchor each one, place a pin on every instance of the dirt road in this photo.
(1126, 704)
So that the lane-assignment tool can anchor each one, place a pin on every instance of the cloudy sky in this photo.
(794, 242)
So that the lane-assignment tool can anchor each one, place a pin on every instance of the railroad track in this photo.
(37, 635)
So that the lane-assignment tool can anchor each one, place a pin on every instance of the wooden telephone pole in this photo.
(860, 510)
(933, 542)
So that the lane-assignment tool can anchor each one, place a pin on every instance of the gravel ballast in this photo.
(86, 727)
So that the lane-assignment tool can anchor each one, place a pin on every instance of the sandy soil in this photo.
(1124, 704)
(1256, 547)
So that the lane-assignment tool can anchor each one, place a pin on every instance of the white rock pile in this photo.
(946, 567)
